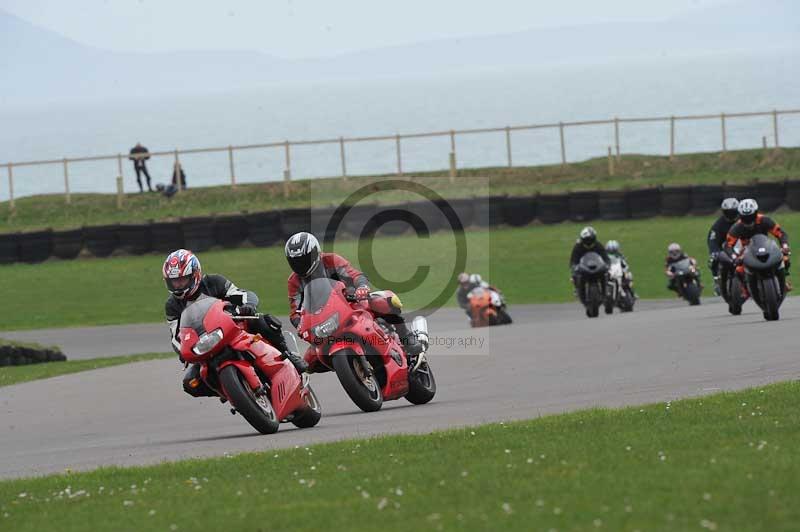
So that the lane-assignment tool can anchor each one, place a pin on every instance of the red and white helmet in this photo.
(182, 273)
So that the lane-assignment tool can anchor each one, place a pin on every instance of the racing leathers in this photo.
(717, 237)
(245, 302)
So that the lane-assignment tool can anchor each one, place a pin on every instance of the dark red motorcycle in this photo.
(244, 369)
(364, 351)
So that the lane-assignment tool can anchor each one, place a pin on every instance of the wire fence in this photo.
(285, 147)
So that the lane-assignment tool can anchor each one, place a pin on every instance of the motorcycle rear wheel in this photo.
(257, 411)
(421, 385)
(364, 391)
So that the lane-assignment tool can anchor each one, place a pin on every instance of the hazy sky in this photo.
(301, 28)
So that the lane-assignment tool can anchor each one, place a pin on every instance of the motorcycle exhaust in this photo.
(420, 327)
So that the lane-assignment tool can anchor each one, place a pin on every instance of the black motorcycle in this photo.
(765, 275)
(592, 270)
(687, 280)
(731, 285)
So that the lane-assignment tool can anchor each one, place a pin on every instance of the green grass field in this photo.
(529, 264)
(722, 462)
(633, 171)
(16, 374)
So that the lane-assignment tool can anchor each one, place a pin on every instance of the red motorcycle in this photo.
(364, 351)
(244, 369)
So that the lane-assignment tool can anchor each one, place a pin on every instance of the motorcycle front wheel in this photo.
(421, 385)
(770, 297)
(363, 389)
(257, 410)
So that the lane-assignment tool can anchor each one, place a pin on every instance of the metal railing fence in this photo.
(286, 146)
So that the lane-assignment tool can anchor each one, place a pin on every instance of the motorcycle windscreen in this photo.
(195, 312)
(762, 253)
(592, 263)
(682, 266)
(317, 293)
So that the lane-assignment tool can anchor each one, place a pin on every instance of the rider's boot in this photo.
(716, 286)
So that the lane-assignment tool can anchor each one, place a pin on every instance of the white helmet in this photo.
(475, 279)
(674, 250)
(612, 246)
(748, 210)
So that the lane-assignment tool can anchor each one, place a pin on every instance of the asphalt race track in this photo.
(552, 359)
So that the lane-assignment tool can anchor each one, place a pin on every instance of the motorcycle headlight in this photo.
(327, 327)
(207, 342)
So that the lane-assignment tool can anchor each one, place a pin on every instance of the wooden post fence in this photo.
(68, 196)
(230, 163)
(508, 146)
(342, 156)
(177, 168)
(563, 146)
(10, 186)
(399, 155)
(775, 128)
(672, 138)
(616, 136)
(287, 172)
(724, 135)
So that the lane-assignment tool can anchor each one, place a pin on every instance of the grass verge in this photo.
(529, 264)
(722, 462)
(632, 171)
(16, 374)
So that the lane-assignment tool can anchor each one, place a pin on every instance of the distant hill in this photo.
(40, 65)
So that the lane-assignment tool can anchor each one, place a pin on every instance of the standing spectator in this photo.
(139, 155)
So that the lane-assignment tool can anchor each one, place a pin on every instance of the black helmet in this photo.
(302, 253)
(588, 236)
(730, 209)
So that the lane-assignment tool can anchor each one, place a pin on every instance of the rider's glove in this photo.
(362, 292)
(786, 249)
(245, 310)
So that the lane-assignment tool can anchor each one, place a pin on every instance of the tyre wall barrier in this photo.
(553, 208)
(518, 211)
(198, 233)
(676, 201)
(463, 210)
(67, 244)
(166, 236)
(9, 248)
(264, 228)
(644, 203)
(793, 194)
(135, 239)
(294, 221)
(272, 227)
(739, 191)
(17, 355)
(771, 195)
(323, 222)
(487, 211)
(356, 219)
(35, 246)
(230, 231)
(612, 204)
(706, 199)
(583, 206)
(101, 241)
